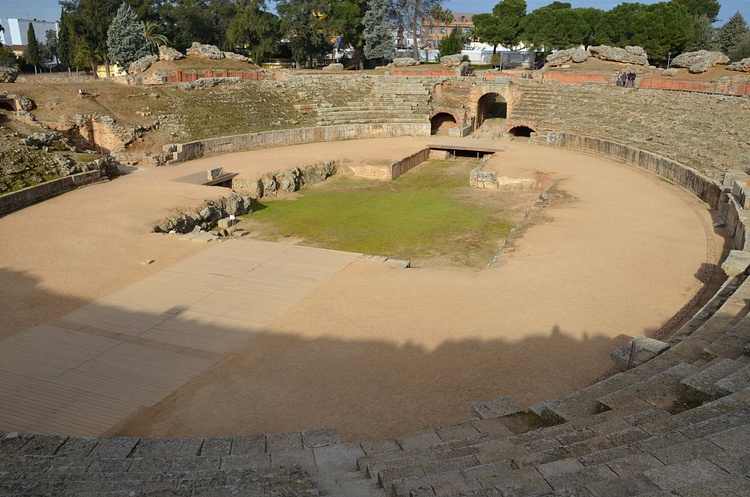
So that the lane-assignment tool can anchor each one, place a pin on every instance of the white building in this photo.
(16, 30)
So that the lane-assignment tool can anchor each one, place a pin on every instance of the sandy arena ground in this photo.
(379, 351)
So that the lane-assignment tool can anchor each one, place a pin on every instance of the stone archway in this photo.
(441, 122)
(490, 106)
(521, 131)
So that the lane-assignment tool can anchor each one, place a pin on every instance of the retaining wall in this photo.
(712, 193)
(190, 76)
(19, 199)
(575, 78)
(297, 136)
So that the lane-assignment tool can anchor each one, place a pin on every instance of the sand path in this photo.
(378, 351)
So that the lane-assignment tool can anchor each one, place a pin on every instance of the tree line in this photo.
(115, 31)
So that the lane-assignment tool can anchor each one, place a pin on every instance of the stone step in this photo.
(701, 387)
(732, 343)
(699, 318)
(583, 402)
(659, 389)
(734, 382)
(348, 484)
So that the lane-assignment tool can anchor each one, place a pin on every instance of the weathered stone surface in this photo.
(556, 59)
(495, 408)
(334, 67)
(8, 74)
(289, 181)
(270, 186)
(736, 263)
(207, 216)
(203, 83)
(252, 188)
(142, 64)
(627, 55)
(741, 66)
(451, 60)
(238, 205)
(204, 51)
(169, 53)
(670, 72)
(235, 56)
(43, 139)
(404, 62)
(645, 349)
(700, 61)
(580, 55)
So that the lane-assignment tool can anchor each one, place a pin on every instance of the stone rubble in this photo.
(700, 61)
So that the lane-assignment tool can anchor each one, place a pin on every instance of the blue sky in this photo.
(49, 10)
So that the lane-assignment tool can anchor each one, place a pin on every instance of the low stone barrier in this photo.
(287, 181)
(576, 78)
(721, 88)
(709, 191)
(190, 76)
(408, 163)
(238, 143)
(19, 199)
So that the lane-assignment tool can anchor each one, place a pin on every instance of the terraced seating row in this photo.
(383, 100)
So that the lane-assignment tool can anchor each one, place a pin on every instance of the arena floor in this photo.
(373, 350)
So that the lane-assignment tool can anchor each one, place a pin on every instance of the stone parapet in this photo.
(226, 144)
(19, 199)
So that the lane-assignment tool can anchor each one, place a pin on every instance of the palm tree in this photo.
(154, 38)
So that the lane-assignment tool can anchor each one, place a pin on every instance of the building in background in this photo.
(14, 34)
(434, 31)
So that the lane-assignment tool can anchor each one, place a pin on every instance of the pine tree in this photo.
(452, 44)
(125, 41)
(378, 31)
(741, 49)
(731, 33)
(31, 54)
(64, 43)
(704, 35)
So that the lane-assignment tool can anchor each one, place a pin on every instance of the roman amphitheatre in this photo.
(152, 363)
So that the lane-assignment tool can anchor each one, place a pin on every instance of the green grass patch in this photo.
(428, 213)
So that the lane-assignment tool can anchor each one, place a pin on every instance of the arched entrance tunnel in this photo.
(521, 131)
(491, 105)
(442, 122)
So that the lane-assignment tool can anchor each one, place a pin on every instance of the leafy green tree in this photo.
(658, 28)
(51, 43)
(88, 57)
(31, 53)
(731, 33)
(704, 35)
(741, 49)
(253, 30)
(154, 39)
(378, 31)
(204, 21)
(303, 23)
(451, 44)
(125, 41)
(408, 14)
(90, 19)
(556, 27)
(503, 27)
(347, 21)
(697, 8)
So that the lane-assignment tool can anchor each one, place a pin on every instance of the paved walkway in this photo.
(84, 373)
